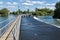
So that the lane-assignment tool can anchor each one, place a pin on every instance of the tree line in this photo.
(37, 12)
(43, 12)
(4, 12)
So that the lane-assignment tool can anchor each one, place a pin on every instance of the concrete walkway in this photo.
(32, 29)
(8, 34)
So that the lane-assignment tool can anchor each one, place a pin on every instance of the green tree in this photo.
(28, 11)
(20, 12)
(57, 10)
(4, 11)
(24, 12)
(14, 12)
(43, 12)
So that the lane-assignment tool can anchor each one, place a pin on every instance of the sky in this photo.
(13, 5)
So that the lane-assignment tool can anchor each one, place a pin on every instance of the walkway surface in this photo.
(32, 29)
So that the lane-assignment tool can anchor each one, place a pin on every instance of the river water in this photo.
(32, 29)
(6, 20)
(49, 20)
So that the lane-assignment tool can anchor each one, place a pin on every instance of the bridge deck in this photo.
(8, 34)
(32, 29)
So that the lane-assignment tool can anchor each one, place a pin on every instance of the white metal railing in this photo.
(6, 32)
(3, 29)
(3, 23)
(16, 29)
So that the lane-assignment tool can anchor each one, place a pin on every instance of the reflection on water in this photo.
(2, 18)
(49, 19)
(5, 20)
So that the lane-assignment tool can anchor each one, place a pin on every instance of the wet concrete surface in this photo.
(32, 29)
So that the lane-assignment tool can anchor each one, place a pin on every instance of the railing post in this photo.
(9, 32)
(0, 32)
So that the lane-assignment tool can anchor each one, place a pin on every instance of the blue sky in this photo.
(12, 5)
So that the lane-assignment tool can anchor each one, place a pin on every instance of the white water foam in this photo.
(45, 22)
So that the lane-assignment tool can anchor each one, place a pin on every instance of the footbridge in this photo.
(25, 27)
(11, 31)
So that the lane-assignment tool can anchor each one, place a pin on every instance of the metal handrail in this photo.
(3, 29)
(13, 27)
(3, 23)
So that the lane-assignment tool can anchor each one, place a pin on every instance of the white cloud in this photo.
(1, 2)
(37, 2)
(15, 3)
(9, 3)
(11, 6)
(51, 8)
(12, 3)
(42, 4)
(27, 4)
(47, 6)
(52, 4)
(28, 1)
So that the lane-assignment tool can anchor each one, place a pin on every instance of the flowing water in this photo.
(49, 20)
(6, 20)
